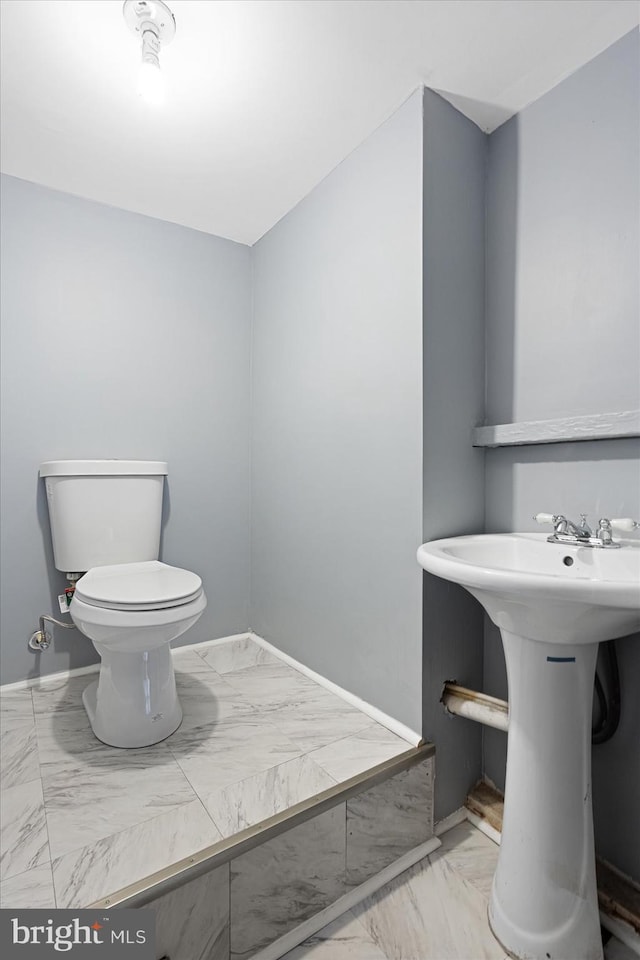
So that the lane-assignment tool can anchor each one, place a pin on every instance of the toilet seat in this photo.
(150, 585)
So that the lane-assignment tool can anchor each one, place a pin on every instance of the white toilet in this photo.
(105, 519)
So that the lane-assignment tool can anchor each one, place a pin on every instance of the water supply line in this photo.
(609, 707)
(41, 639)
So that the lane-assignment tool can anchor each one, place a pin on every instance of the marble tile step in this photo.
(277, 873)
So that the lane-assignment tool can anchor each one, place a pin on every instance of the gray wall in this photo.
(563, 339)
(562, 299)
(125, 337)
(453, 403)
(337, 425)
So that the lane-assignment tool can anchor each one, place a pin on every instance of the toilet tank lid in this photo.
(103, 468)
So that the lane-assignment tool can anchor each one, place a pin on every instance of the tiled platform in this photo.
(81, 820)
(265, 882)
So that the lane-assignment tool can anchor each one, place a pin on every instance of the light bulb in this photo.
(151, 82)
(154, 24)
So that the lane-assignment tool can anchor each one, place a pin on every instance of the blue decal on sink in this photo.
(561, 659)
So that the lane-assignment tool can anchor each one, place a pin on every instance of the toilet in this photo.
(105, 518)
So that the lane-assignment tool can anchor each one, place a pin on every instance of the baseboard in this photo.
(484, 827)
(395, 726)
(307, 929)
(622, 932)
(63, 675)
(619, 900)
(453, 820)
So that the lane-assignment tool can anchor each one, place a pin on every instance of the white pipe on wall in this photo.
(473, 705)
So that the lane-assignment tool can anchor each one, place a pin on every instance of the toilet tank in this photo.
(103, 511)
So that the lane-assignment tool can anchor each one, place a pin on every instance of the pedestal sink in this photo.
(553, 603)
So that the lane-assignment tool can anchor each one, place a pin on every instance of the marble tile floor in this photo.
(257, 737)
(436, 910)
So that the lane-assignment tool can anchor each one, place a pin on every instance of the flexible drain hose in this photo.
(609, 707)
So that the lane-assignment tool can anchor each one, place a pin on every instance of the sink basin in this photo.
(589, 594)
(553, 603)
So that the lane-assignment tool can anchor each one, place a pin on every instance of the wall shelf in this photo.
(596, 426)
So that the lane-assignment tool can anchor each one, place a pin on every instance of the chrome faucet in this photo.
(604, 532)
(580, 530)
(566, 531)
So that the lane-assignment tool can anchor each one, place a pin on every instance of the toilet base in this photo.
(134, 702)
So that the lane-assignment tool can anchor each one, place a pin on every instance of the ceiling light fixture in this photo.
(154, 23)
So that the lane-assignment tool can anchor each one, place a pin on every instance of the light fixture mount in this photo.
(153, 16)
(154, 24)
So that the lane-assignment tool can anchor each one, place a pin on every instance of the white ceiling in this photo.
(265, 97)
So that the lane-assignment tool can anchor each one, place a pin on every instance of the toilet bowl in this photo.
(131, 612)
(106, 519)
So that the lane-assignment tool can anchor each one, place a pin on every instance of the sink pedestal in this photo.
(544, 903)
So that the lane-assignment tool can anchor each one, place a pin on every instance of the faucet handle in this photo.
(545, 517)
(624, 523)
